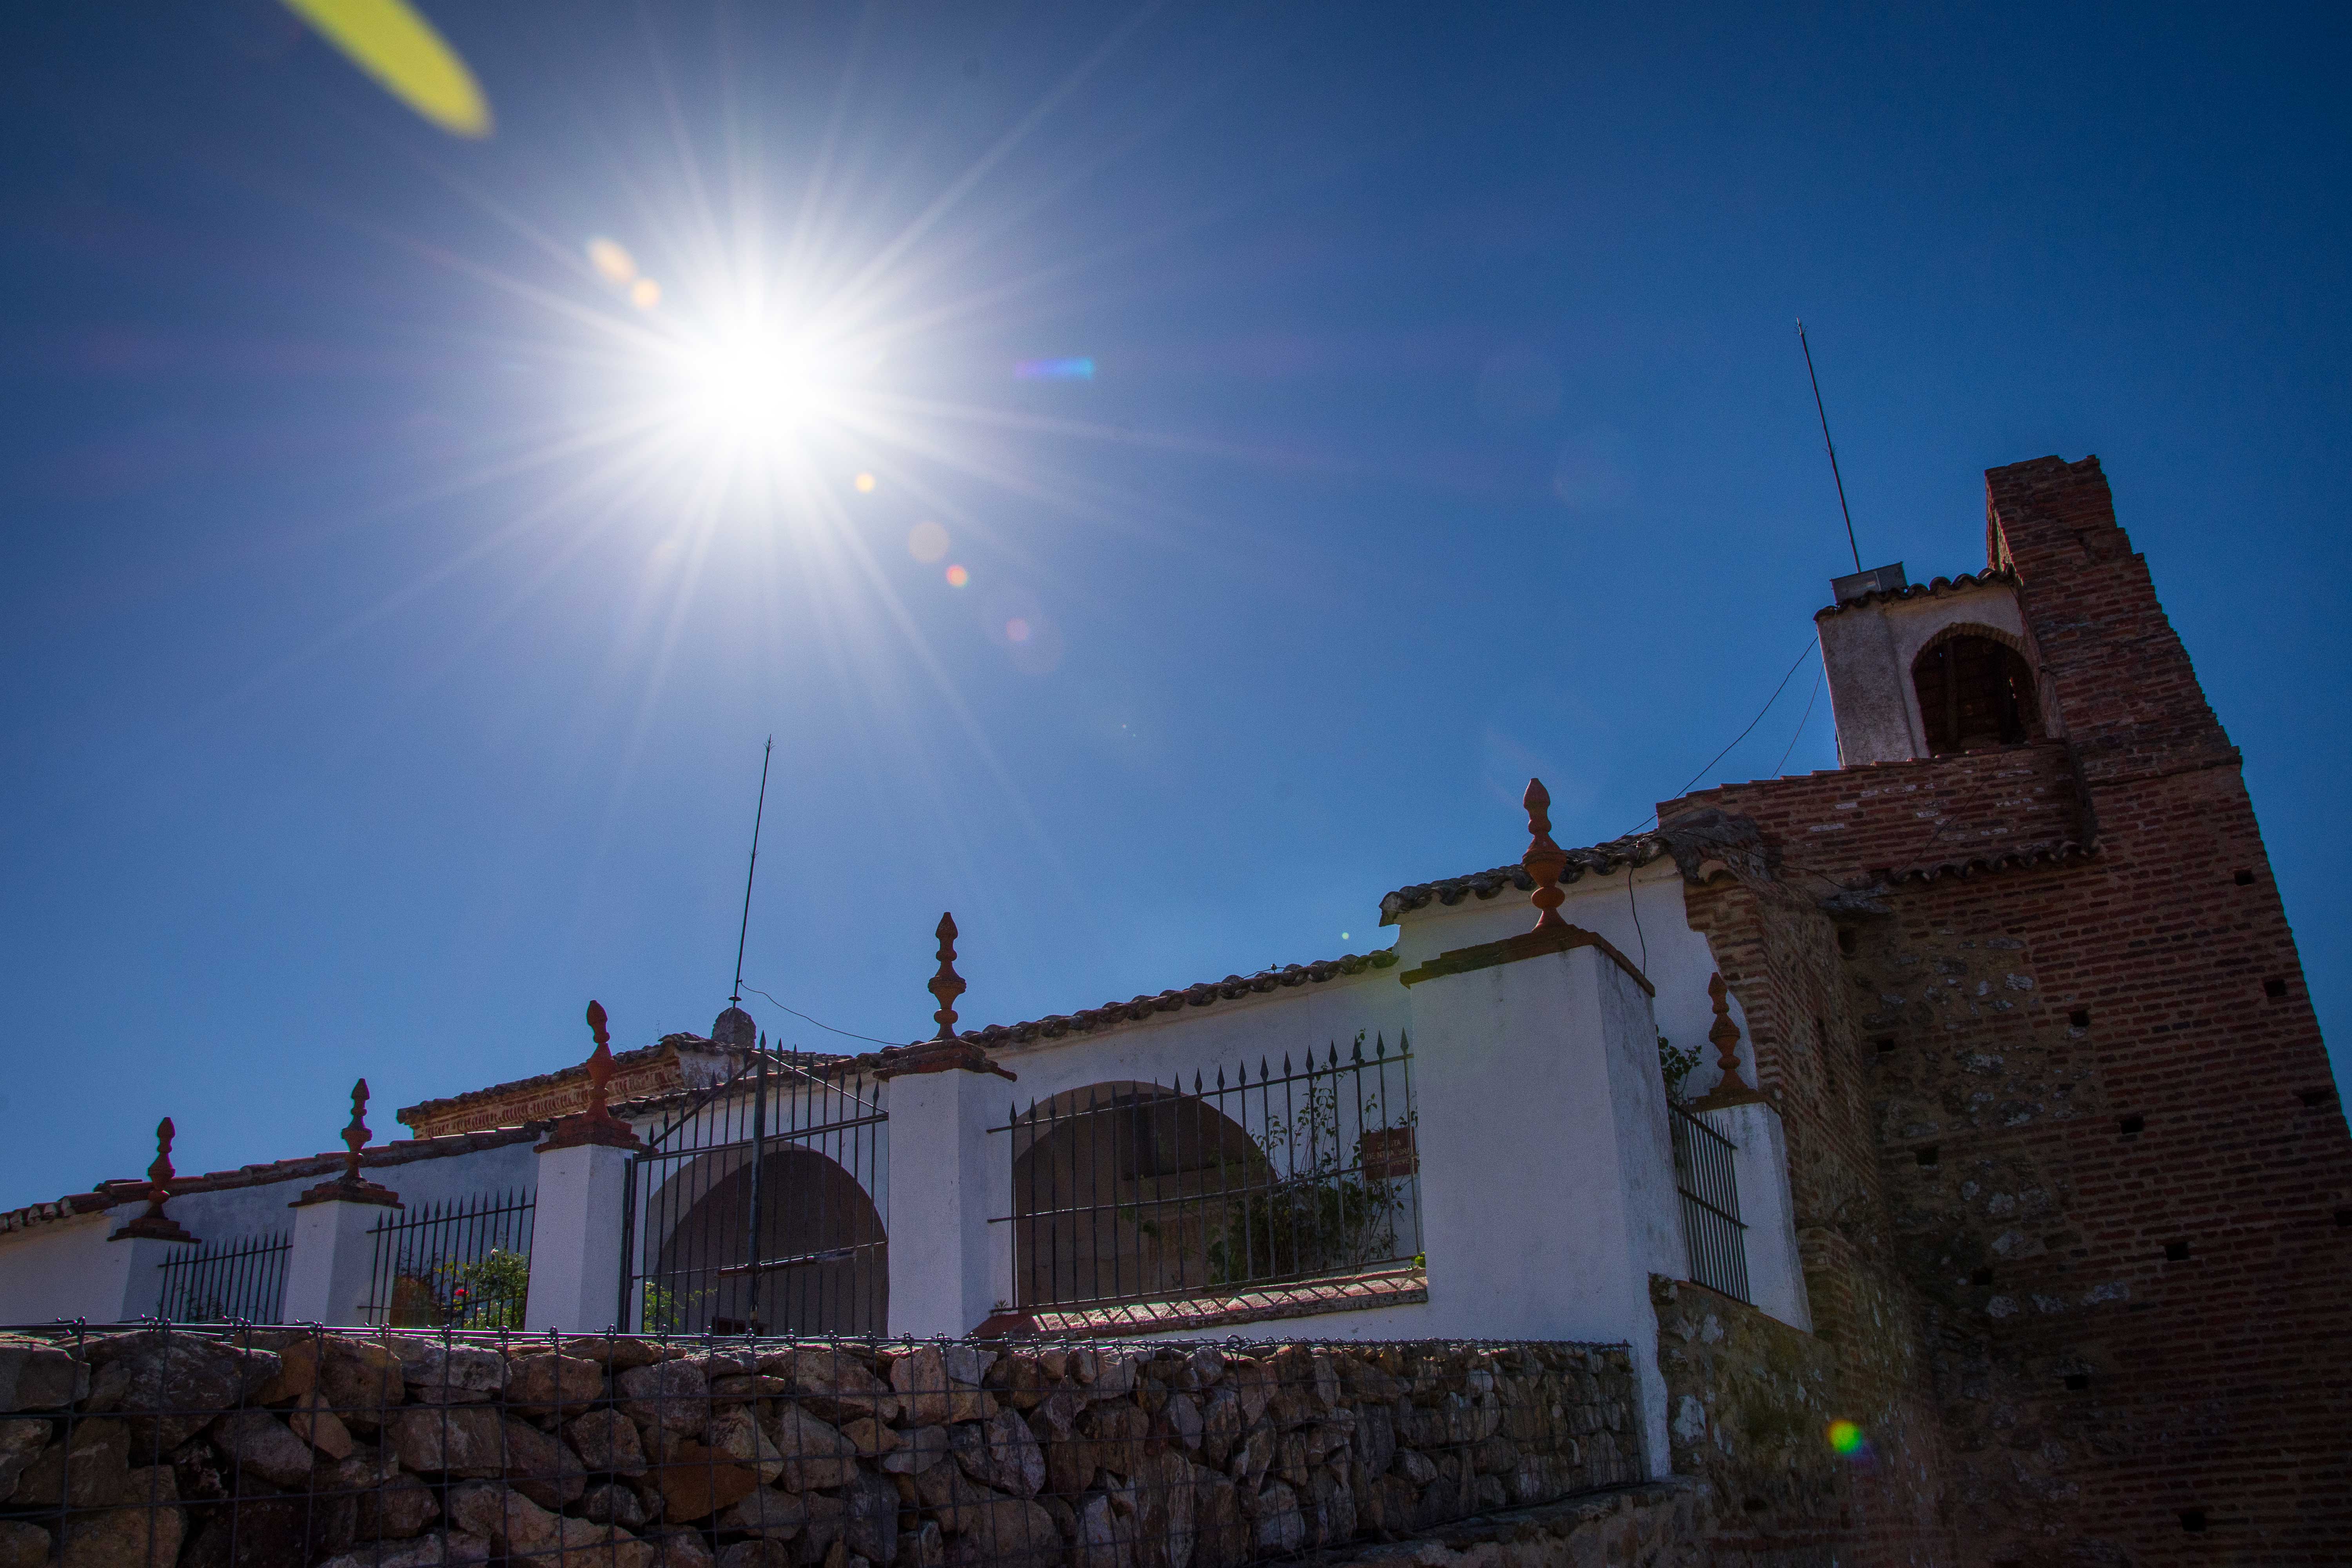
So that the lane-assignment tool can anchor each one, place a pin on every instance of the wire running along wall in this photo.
(794, 1241)
(462, 1263)
(1708, 1184)
(1127, 1192)
(242, 1280)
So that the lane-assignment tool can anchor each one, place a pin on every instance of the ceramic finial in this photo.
(1544, 860)
(947, 985)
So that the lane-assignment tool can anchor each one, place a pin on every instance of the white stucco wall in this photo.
(69, 1268)
(1652, 928)
(63, 1269)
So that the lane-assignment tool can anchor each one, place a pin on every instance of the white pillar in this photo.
(575, 1236)
(1547, 1185)
(951, 1270)
(130, 1271)
(1776, 1275)
(329, 1272)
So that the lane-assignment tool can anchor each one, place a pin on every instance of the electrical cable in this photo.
(1629, 904)
(1782, 765)
(1735, 740)
(803, 1017)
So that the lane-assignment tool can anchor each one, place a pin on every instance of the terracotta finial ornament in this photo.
(356, 1136)
(350, 1186)
(947, 985)
(942, 1052)
(1545, 860)
(1724, 1034)
(597, 1124)
(599, 1061)
(155, 1224)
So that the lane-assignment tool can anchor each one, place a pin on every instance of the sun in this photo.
(750, 387)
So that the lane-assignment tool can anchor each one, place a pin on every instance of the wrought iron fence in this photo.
(1712, 1229)
(1132, 1192)
(760, 1205)
(162, 1444)
(463, 1263)
(227, 1281)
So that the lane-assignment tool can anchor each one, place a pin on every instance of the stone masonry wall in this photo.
(1779, 953)
(290, 1449)
(1750, 1400)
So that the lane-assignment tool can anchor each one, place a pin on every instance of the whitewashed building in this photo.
(1469, 1136)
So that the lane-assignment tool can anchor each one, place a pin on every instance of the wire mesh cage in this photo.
(160, 1444)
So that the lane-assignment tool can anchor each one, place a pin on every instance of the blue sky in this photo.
(388, 655)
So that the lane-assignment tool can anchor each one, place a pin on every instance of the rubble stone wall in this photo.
(1750, 1400)
(274, 1447)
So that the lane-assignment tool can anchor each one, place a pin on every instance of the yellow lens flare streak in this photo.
(392, 43)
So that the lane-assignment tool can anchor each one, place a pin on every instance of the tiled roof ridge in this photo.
(400, 1152)
(549, 1079)
(1602, 858)
(1986, 576)
(1859, 772)
(1233, 988)
(2066, 851)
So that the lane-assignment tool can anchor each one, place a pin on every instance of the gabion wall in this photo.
(270, 1448)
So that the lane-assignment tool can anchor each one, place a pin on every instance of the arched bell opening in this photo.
(1974, 691)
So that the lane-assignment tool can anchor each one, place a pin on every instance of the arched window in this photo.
(822, 1258)
(1129, 1191)
(1974, 691)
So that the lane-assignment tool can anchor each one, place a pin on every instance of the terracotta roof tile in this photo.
(621, 1060)
(401, 1152)
(2064, 853)
(1991, 577)
(1233, 988)
(1602, 860)
(1378, 1287)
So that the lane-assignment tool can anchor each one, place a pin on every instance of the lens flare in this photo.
(958, 576)
(1055, 369)
(644, 293)
(612, 261)
(1847, 1440)
(927, 541)
(408, 59)
(1016, 630)
(865, 483)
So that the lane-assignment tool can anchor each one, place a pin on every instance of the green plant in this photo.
(487, 1294)
(665, 1309)
(1676, 1066)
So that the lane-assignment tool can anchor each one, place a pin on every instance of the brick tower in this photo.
(2073, 1181)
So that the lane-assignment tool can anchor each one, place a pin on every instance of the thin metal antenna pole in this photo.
(745, 929)
(1834, 474)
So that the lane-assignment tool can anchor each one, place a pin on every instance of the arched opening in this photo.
(1129, 1192)
(1974, 691)
(820, 1265)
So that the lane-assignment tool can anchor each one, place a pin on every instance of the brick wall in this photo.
(2009, 1091)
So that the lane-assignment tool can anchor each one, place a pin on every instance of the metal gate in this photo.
(760, 1206)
